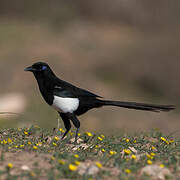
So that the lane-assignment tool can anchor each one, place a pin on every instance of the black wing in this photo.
(65, 89)
(83, 92)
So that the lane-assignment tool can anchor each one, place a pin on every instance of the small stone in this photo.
(133, 150)
(79, 146)
(79, 140)
(25, 168)
(49, 139)
(156, 172)
(87, 169)
(92, 170)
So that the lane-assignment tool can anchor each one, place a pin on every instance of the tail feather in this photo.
(139, 106)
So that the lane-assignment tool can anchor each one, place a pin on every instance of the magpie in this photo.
(71, 101)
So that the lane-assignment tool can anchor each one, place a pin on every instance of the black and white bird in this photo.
(70, 101)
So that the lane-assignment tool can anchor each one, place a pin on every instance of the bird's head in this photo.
(40, 70)
(39, 67)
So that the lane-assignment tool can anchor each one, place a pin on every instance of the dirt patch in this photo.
(21, 159)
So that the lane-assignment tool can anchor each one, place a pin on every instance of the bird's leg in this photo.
(56, 129)
(58, 124)
(76, 123)
(76, 136)
(65, 134)
(67, 123)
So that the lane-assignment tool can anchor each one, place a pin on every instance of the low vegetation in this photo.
(35, 153)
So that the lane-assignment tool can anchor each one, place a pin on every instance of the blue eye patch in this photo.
(44, 67)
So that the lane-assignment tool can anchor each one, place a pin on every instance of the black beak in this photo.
(30, 68)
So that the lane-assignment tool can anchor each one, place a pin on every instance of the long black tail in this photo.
(138, 106)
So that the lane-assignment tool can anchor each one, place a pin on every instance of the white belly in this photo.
(65, 105)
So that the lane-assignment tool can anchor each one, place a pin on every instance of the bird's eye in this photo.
(44, 67)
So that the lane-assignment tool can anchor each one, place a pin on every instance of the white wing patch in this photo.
(58, 87)
(65, 104)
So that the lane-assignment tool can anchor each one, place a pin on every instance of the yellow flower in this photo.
(133, 156)
(89, 134)
(96, 146)
(165, 140)
(79, 134)
(112, 152)
(71, 133)
(61, 161)
(152, 154)
(77, 163)
(9, 147)
(100, 139)
(9, 140)
(21, 146)
(127, 151)
(102, 136)
(32, 174)
(4, 142)
(76, 156)
(29, 143)
(171, 141)
(54, 144)
(35, 147)
(128, 171)
(26, 133)
(161, 165)
(149, 162)
(103, 150)
(149, 156)
(39, 144)
(98, 164)
(127, 140)
(134, 141)
(72, 167)
(61, 130)
(52, 158)
(56, 138)
(153, 148)
(10, 165)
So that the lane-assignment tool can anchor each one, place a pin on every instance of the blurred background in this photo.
(121, 50)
